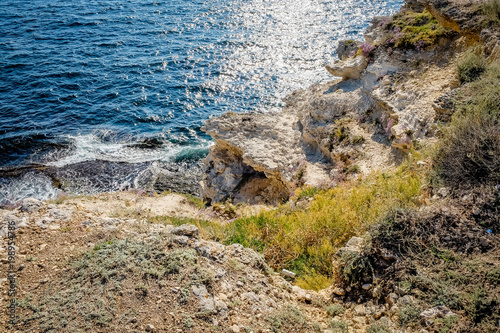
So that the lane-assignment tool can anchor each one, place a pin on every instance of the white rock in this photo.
(31, 205)
(205, 300)
(211, 250)
(359, 310)
(438, 311)
(350, 68)
(288, 273)
(338, 291)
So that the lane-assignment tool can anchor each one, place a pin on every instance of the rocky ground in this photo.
(80, 267)
(139, 261)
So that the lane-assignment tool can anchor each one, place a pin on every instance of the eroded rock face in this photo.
(253, 158)
(363, 122)
(350, 68)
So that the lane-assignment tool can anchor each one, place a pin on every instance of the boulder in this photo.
(187, 229)
(350, 68)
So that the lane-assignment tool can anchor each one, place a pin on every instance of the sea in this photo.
(108, 95)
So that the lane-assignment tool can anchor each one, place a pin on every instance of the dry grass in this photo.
(469, 152)
(304, 240)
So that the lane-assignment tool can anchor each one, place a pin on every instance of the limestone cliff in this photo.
(394, 88)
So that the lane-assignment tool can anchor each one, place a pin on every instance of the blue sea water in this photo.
(130, 83)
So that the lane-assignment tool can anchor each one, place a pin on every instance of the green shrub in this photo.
(356, 268)
(409, 315)
(415, 30)
(379, 328)
(287, 319)
(335, 310)
(338, 326)
(491, 10)
(482, 306)
(493, 276)
(470, 66)
(469, 151)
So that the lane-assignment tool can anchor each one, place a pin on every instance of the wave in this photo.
(93, 147)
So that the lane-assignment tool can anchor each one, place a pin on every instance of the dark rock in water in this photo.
(95, 176)
(178, 178)
(89, 177)
(148, 143)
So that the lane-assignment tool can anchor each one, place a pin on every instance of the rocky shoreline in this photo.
(389, 100)
(141, 261)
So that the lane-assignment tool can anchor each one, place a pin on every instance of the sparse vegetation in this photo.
(287, 319)
(471, 65)
(338, 326)
(335, 310)
(113, 272)
(415, 30)
(304, 240)
(198, 202)
(469, 152)
(379, 328)
(409, 315)
(491, 11)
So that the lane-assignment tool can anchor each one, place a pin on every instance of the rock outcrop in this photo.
(390, 96)
(350, 68)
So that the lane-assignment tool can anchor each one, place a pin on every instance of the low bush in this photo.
(415, 30)
(304, 240)
(471, 65)
(469, 151)
(491, 11)
(335, 310)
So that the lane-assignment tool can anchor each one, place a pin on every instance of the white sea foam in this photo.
(91, 147)
(31, 184)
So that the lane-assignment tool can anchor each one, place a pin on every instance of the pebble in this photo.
(288, 273)
(150, 328)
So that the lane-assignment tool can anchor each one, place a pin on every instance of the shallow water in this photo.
(132, 82)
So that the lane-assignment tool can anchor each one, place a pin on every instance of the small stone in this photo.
(437, 311)
(350, 68)
(338, 291)
(181, 240)
(406, 300)
(391, 299)
(21, 267)
(288, 273)
(235, 329)
(359, 310)
(366, 286)
(387, 255)
(308, 298)
(240, 284)
(150, 328)
(31, 205)
(187, 229)
(443, 192)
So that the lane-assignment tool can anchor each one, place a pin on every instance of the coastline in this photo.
(323, 217)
